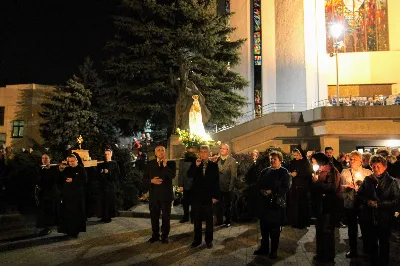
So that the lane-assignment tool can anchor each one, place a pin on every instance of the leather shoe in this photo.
(273, 255)
(195, 244)
(165, 241)
(44, 232)
(153, 239)
(209, 245)
(261, 252)
(351, 254)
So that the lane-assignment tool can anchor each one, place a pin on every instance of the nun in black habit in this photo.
(109, 176)
(73, 216)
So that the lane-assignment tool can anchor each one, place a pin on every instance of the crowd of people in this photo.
(356, 190)
(60, 192)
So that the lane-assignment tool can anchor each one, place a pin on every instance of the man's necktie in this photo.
(204, 167)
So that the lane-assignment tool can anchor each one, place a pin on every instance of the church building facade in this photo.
(290, 53)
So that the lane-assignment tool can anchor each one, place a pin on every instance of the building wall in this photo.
(240, 20)
(22, 102)
(296, 65)
(370, 67)
(290, 52)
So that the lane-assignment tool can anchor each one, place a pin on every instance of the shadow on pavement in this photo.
(33, 242)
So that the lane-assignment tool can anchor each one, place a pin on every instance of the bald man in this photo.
(157, 177)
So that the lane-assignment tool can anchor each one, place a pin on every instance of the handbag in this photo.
(278, 201)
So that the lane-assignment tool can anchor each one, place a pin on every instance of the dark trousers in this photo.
(187, 202)
(269, 231)
(298, 207)
(379, 253)
(224, 207)
(203, 209)
(156, 208)
(352, 228)
(325, 234)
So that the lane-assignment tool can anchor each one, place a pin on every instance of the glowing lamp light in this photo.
(357, 175)
(336, 30)
(393, 143)
(315, 167)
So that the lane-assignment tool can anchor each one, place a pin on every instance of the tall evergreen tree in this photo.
(105, 123)
(164, 46)
(68, 114)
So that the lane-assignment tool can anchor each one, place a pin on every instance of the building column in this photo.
(268, 52)
(241, 20)
(331, 142)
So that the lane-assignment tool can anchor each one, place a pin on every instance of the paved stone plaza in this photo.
(124, 242)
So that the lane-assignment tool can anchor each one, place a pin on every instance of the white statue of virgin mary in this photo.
(195, 119)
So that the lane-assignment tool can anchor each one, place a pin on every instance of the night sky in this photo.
(45, 41)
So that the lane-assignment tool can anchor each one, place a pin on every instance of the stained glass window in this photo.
(365, 25)
(257, 51)
(257, 43)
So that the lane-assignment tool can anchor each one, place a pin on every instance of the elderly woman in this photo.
(73, 217)
(273, 185)
(351, 181)
(298, 204)
(326, 188)
(379, 197)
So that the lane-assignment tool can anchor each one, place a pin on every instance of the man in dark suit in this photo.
(227, 176)
(157, 177)
(205, 176)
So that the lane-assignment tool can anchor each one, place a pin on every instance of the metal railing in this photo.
(359, 101)
(299, 107)
(266, 109)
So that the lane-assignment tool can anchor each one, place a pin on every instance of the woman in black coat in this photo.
(47, 195)
(73, 216)
(326, 190)
(273, 185)
(298, 202)
(378, 198)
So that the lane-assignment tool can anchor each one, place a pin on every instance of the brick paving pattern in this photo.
(124, 242)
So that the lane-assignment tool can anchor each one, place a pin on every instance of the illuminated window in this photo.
(365, 25)
(18, 129)
(257, 51)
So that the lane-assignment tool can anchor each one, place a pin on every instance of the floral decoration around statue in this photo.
(192, 140)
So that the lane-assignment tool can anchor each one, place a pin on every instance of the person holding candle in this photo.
(326, 191)
(351, 181)
(379, 198)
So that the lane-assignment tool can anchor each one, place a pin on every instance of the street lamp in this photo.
(336, 31)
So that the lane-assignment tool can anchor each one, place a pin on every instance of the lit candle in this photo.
(358, 178)
(315, 168)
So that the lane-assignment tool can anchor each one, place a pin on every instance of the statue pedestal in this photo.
(176, 148)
